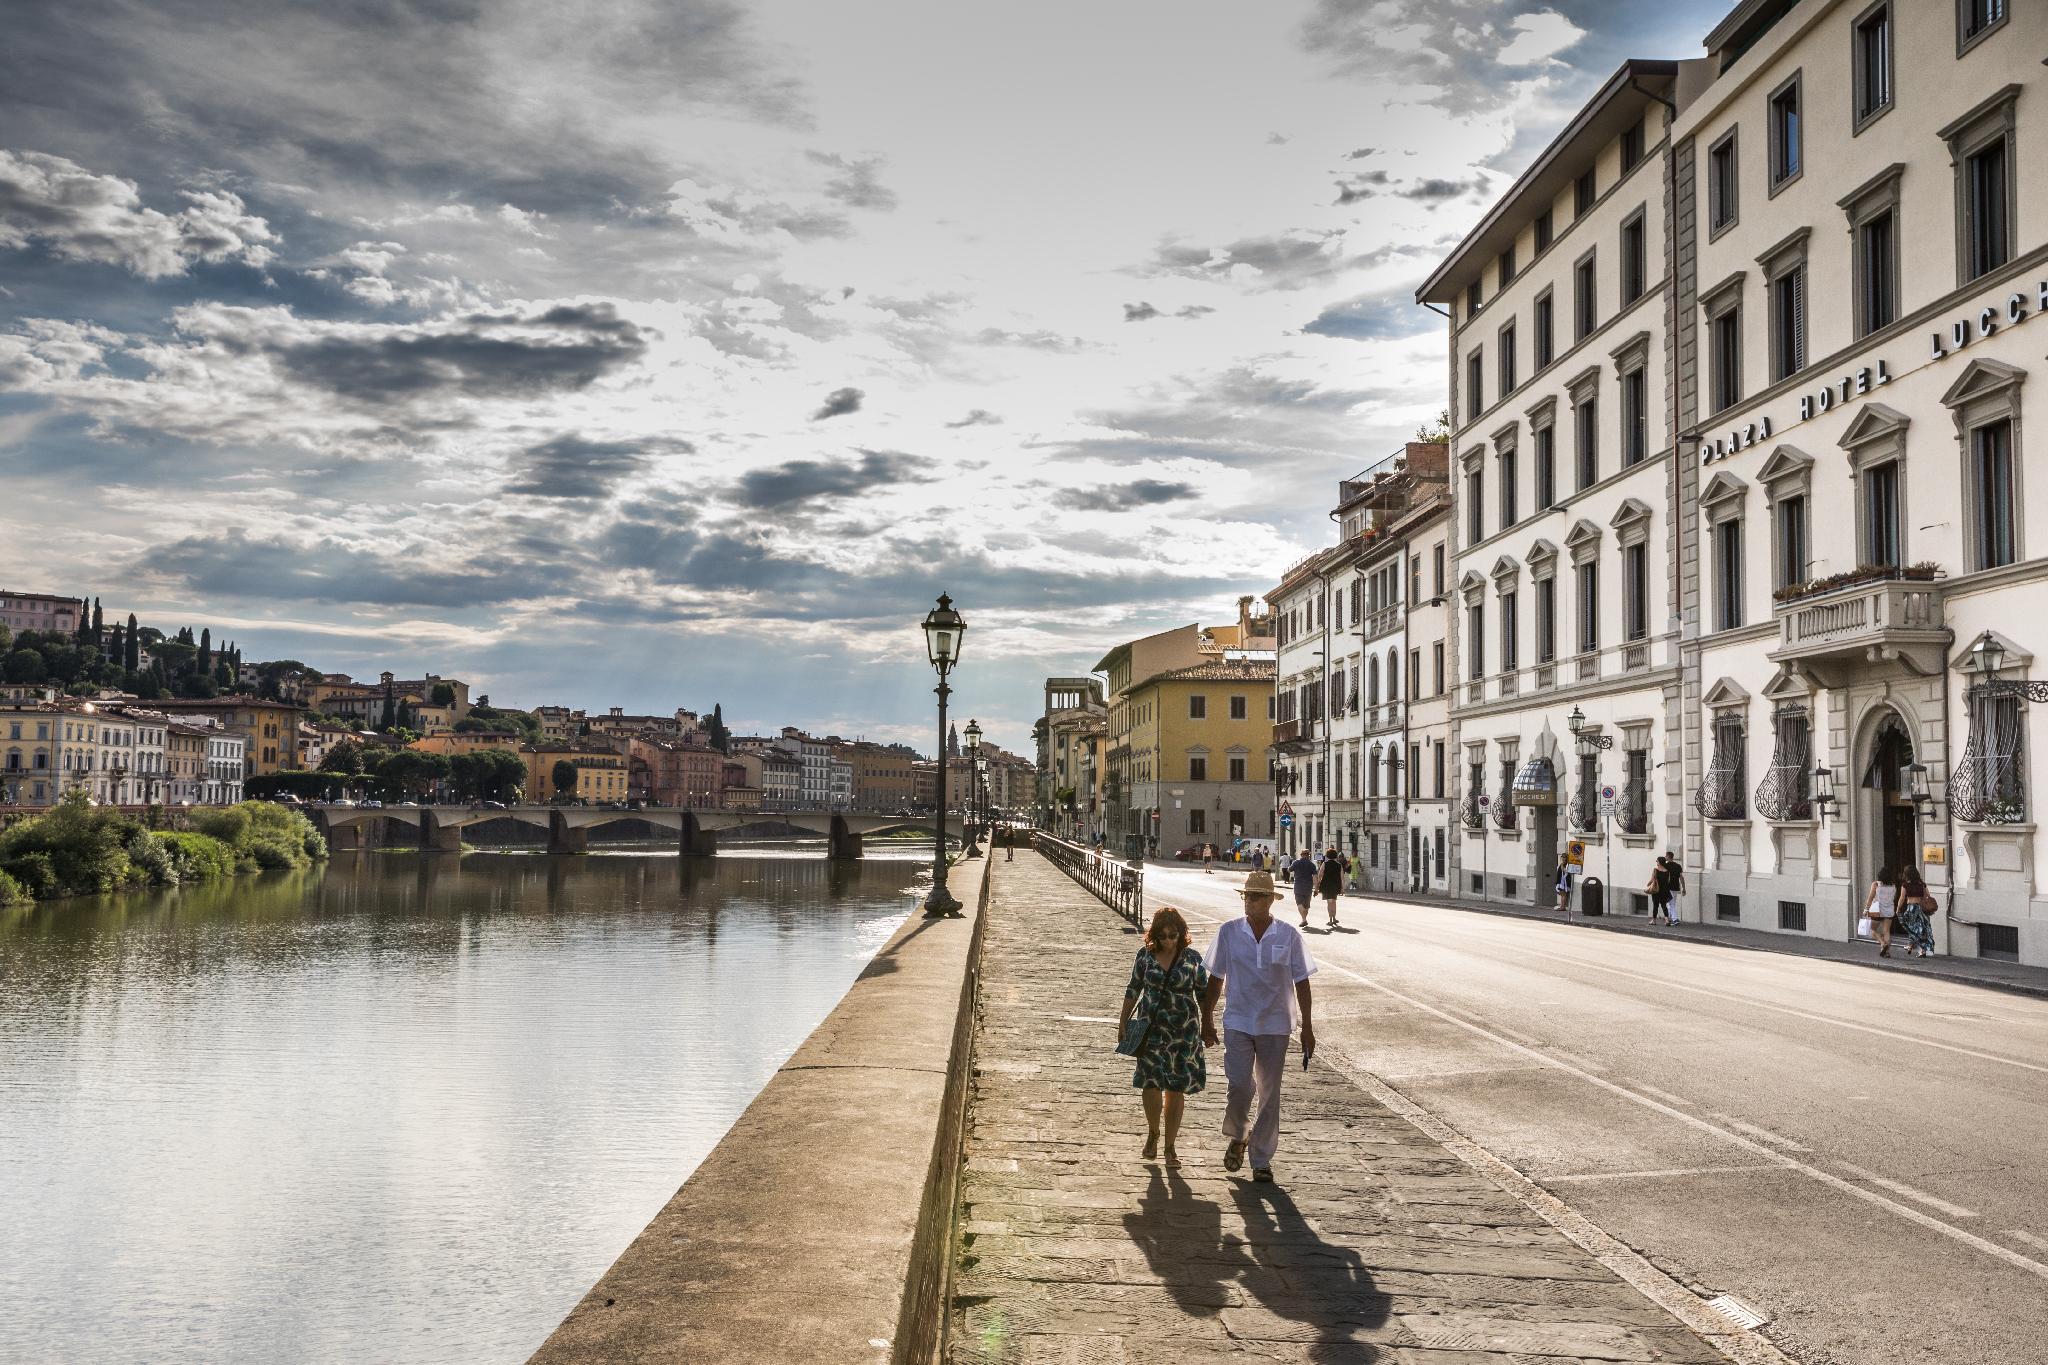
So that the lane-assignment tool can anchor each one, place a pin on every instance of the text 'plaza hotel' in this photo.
(1741, 525)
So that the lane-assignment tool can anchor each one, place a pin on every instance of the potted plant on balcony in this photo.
(1925, 570)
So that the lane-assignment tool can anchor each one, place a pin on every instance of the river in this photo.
(401, 1107)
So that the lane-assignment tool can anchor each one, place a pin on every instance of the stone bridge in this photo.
(568, 827)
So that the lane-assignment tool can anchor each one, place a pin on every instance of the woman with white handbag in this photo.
(1880, 908)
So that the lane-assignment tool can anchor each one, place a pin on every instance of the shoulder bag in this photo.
(1139, 1031)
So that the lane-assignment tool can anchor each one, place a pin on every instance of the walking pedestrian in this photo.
(1882, 906)
(1260, 966)
(1564, 882)
(1303, 873)
(1332, 882)
(1209, 858)
(1916, 906)
(1164, 1018)
(1674, 885)
(1658, 888)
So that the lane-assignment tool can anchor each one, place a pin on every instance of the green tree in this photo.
(99, 622)
(564, 779)
(24, 666)
(444, 694)
(409, 772)
(131, 658)
(487, 775)
(721, 737)
(6, 638)
(205, 661)
(345, 757)
(1437, 432)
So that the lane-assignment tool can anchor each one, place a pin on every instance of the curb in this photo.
(1613, 926)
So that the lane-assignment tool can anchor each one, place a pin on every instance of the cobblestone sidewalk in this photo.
(1375, 1244)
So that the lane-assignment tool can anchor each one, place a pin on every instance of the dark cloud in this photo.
(482, 355)
(1122, 497)
(838, 403)
(978, 417)
(237, 565)
(1139, 312)
(1353, 188)
(1193, 310)
(1434, 191)
(803, 481)
(78, 215)
(1361, 153)
(1287, 260)
(574, 467)
(857, 185)
(1373, 317)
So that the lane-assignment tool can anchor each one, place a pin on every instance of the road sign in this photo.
(1607, 809)
(1287, 819)
(1607, 794)
(1485, 801)
(1575, 853)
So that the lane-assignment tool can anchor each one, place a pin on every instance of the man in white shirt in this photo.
(1260, 966)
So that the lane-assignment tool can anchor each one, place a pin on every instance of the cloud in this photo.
(563, 348)
(1353, 188)
(1539, 37)
(1373, 317)
(802, 481)
(1284, 260)
(1122, 497)
(732, 216)
(1193, 310)
(78, 215)
(858, 186)
(1434, 191)
(838, 403)
(977, 417)
(575, 467)
(237, 564)
(1037, 341)
(1139, 312)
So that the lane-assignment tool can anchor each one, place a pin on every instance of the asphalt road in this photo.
(1860, 1157)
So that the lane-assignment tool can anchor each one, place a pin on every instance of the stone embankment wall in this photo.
(820, 1229)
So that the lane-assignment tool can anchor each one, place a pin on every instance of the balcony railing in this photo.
(1860, 616)
(1635, 656)
(1469, 813)
(1587, 666)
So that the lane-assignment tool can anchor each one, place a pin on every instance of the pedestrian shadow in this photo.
(1182, 1239)
(1326, 1287)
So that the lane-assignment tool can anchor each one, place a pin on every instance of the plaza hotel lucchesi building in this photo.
(1744, 528)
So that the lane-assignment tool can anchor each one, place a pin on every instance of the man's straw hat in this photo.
(1260, 884)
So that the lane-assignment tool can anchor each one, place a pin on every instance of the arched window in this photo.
(1372, 681)
(1393, 675)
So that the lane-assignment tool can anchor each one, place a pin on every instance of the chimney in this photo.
(1244, 621)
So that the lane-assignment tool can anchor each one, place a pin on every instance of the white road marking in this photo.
(1792, 1163)
(1650, 1175)
(2029, 1238)
(1762, 1134)
(1664, 1095)
(1458, 1071)
(1086, 1019)
(1952, 1210)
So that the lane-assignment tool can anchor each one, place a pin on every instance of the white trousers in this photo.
(1253, 1063)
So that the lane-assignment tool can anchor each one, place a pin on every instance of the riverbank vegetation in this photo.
(78, 848)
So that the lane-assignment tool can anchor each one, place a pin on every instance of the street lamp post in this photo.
(972, 811)
(943, 632)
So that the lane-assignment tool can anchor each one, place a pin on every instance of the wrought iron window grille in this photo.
(1988, 785)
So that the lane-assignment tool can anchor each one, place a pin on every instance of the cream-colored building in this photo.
(1069, 735)
(1809, 510)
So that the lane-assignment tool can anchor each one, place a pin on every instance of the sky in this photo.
(667, 352)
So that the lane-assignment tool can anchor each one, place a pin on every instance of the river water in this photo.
(400, 1108)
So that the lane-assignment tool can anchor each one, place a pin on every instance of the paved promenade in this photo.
(1375, 1244)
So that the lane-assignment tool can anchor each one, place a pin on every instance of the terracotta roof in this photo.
(1221, 670)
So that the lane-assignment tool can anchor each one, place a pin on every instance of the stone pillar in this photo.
(436, 837)
(844, 843)
(565, 838)
(696, 841)
(340, 838)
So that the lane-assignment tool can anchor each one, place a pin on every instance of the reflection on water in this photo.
(406, 1107)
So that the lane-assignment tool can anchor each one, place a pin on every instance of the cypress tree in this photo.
(99, 622)
(206, 650)
(132, 657)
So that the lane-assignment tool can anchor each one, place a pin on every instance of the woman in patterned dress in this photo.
(1167, 981)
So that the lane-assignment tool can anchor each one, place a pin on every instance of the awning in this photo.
(1536, 784)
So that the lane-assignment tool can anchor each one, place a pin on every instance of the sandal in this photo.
(1233, 1156)
(1172, 1160)
(1151, 1147)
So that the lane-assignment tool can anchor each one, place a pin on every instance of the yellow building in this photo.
(1190, 734)
(600, 773)
(271, 728)
(450, 743)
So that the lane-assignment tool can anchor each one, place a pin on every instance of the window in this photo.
(1510, 627)
(1883, 535)
(1589, 607)
(1546, 620)
(1543, 232)
(1786, 140)
(1721, 184)
(1791, 915)
(1586, 424)
(1632, 148)
(1198, 821)
(1974, 19)
(1437, 773)
(1238, 707)
(1436, 659)
(1475, 635)
(1991, 493)
(1635, 790)
(1198, 768)
(1873, 48)
(1198, 707)
(1988, 786)
(1475, 383)
(1724, 341)
(1506, 360)
(1475, 509)
(1728, 574)
(1721, 795)
(1877, 272)
(1793, 557)
(1507, 265)
(1634, 266)
(1437, 554)
(1635, 418)
(1545, 329)
(1545, 439)
(1508, 491)
(1785, 792)
(1585, 301)
(1635, 592)
(1584, 195)
(1987, 240)
(1237, 771)
(1471, 298)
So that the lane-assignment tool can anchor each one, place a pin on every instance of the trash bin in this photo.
(1592, 896)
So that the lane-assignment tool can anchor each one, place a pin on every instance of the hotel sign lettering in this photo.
(1960, 332)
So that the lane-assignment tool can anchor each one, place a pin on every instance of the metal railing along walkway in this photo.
(1117, 885)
